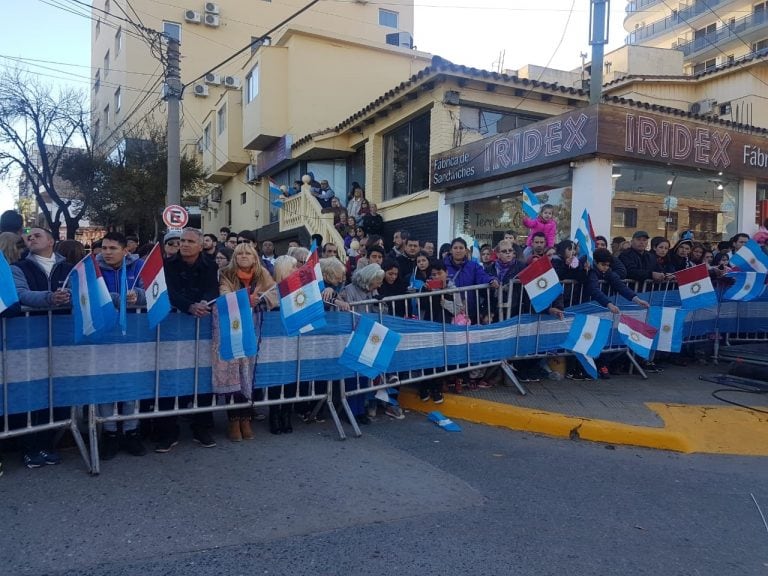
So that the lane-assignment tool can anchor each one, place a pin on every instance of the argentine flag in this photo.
(90, 312)
(750, 258)
(587, 338)
(669, 323)
(541, 283)
(637, 335)
(585, 236)
(370, 348)
(237, 332)
(747, 286)
(8, 294)
(531, 204)
(696, 290)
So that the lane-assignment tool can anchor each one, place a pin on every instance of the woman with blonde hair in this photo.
(9, 246)
(234, 378)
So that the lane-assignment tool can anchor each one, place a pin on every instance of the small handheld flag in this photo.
(531, 204)
(274, 188)
(696, 290)
(670, 323)
(152, 277)
(237, 332)
(746, 286)
(750, 258)
(541, 283)
(587, 338)
(370, 348)
(87, 310)
(585, 236)
(301, 302)
(123, 321)
(637, 335)
(8, 294)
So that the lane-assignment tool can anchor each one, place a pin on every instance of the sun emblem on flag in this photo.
(752, 261)
(666, 328)
(635, 337)
(155, 289)
(300, 299)
(83, 300)
(235, 324)
(542, 283)
(747, 286)
(375, 339)
(695, 288)
(587, 336)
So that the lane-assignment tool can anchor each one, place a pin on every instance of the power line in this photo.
(32, 60)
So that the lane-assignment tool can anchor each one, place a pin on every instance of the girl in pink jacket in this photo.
(544, 222)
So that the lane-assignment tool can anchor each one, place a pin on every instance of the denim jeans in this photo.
(123, 408)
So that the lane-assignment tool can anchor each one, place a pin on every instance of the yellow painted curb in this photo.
(687, 428)
(549, 423)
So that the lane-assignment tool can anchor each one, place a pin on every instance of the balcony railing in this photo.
(724, 34)
(637, 5)
(672, 21)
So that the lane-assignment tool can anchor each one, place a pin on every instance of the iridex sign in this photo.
(175, 216)
(613, 131)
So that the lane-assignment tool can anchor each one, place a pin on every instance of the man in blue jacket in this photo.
(114, 247)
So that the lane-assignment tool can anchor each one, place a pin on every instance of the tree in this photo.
(38, 130)
(128, 189)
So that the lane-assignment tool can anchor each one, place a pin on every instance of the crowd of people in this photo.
(200, 267)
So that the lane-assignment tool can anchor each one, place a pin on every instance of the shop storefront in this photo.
(630, 168)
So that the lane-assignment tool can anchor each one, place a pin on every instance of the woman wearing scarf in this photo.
(463, 271)
(234, 378)
(505, 269)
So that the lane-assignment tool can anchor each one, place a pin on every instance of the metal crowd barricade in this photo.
(37, 397)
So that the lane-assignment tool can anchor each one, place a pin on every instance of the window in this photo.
(172, 30)
(406, 158)
(724, 109)
(491, 122)
(388, 18)
(252, 84)
(97, 81)
(221, 119)
(760, 45)
(706, 31)
(118, 41)
(228, 212)
(207, 137)
(243, 198)
(106, 64)
(105, 116)
(705, 66)
(118, 100)
(625, 217)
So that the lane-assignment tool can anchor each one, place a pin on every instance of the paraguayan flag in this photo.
(541, 283)
(696, 290)
(637, 335)
(370, 348)
(152, 277)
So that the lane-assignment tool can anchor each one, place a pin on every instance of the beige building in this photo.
(708, 33)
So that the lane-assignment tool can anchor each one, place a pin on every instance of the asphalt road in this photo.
(406, 498)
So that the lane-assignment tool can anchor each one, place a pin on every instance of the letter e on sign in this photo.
(175, 216)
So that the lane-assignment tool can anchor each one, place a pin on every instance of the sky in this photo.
(479, 33)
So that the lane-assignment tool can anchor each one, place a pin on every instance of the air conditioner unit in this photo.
(402, 39)
(213, 79)
(201, 90)
(192, 16)
(702, 107)
(252, 174)
(231, 81)
(211, 8)
(211, 20)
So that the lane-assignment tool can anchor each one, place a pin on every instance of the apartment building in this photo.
(708, 33)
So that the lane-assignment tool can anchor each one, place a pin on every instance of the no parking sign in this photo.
(175, 217)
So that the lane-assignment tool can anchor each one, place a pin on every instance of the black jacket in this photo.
(373, 224)
(640, 265)
(188, 284)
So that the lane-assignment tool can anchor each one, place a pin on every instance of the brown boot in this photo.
(233, 431)
(245, 429)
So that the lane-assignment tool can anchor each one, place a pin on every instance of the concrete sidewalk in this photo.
(674, 410)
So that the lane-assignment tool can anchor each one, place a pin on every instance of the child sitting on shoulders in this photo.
(545, 222)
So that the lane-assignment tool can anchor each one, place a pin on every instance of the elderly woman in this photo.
(334, 274)
(234, 378)
(299, 253)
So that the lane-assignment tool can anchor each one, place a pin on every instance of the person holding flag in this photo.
(234, 378)
(601, 272)
(120, 269)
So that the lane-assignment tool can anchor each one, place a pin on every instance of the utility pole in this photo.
(599, 12)
(173, 91)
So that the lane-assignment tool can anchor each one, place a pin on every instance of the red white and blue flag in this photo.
(93, 310)
(8, 294)
(750, 258)
(237, 331)
(301, 303)
(152, 277)
(541, 283)
(637, 335)
(696, 290)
